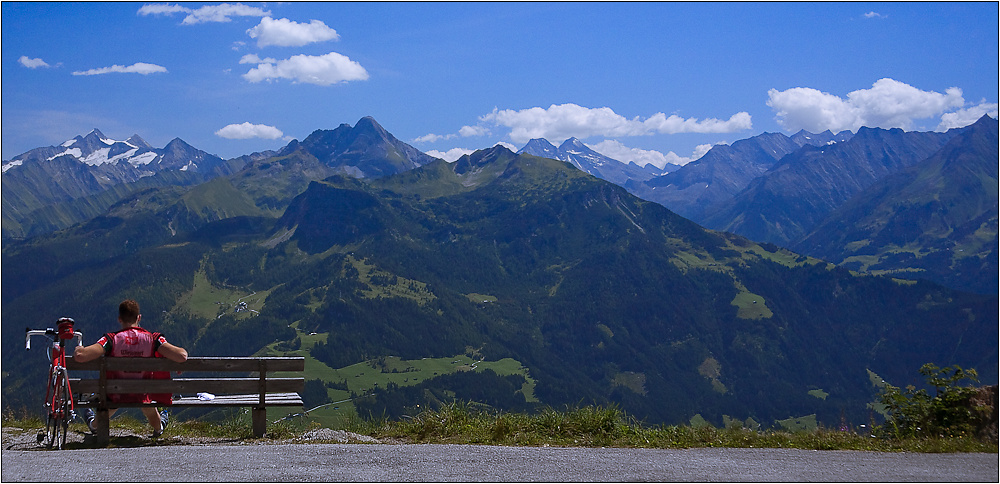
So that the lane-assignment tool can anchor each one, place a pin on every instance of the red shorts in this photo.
(129, 398)
(160, 398)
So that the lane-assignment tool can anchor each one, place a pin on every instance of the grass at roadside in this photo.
(609, 427)
(574, 427)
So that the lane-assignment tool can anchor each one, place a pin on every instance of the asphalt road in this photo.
(469, 463)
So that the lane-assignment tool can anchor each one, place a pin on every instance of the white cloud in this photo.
(893, 103)
(431, 138)
(874, 14)
(247, 131)
(615, 149)
(137, 68)
(888, 104)
(451, 155)
(467, 131)
(967, 116)
(659, 122)
(161, 9)
(562, 121)
(701, 150)
(222, 13)
(254, 59)
(208, 13)
(321, 70)
(287, 33)
(32, 63)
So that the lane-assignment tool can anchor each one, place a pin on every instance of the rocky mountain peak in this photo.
(540, 147)
(368, 123)
(177, 144)
(573, 143)
(96, 133)
(538, 143)
(137, 141)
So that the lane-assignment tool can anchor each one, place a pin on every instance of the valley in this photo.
(505, 279)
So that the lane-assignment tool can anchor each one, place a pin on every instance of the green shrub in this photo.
(915, 413)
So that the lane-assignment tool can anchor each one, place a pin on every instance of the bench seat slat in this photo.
(271, 399)
(248, 400)
(194, 363)
(190, 385)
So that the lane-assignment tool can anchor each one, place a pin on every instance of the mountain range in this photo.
(771, 188)
(788, 199)
(935, 219)
(53, 187)
(589, 161)
(789, 190)
(95, 149)
(695, 189)
(602, 296)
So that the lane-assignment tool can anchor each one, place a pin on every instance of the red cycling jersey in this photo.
(134, 342)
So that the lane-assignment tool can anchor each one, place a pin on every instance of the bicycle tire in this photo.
(50, 430)
(50, 413)
(66, 407)
(57, 421)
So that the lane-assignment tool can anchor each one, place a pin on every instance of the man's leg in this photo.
(154, 419)
(89, 416)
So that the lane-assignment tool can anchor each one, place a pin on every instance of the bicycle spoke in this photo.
(50, 429)
(67, 408)
(61, 437)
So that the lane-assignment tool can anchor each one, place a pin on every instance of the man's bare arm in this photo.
(173, 353)
(84, 354)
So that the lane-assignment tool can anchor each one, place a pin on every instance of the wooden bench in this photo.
(257, 392)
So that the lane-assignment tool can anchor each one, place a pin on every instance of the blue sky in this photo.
(650, 82)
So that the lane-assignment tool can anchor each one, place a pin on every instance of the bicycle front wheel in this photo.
(49, 437)
(60, 412)
(50, 429)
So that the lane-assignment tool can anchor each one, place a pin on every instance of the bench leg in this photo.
(102, 426)
(259, 416)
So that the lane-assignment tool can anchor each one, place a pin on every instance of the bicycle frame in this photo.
(59, 403)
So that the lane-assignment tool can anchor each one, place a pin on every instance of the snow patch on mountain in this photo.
(144, 158)
(74, 152)
(10, 165)
(96, 157)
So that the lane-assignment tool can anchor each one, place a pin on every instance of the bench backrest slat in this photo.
(195, 363)
(190, 385)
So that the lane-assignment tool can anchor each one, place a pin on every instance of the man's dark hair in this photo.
(128, 311)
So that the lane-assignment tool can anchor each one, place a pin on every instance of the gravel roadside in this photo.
(15, 438)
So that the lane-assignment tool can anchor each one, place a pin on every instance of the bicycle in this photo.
(59, 408)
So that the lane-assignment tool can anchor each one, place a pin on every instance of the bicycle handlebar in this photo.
(28, 333)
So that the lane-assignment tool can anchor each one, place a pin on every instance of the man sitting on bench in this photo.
(132, 341)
